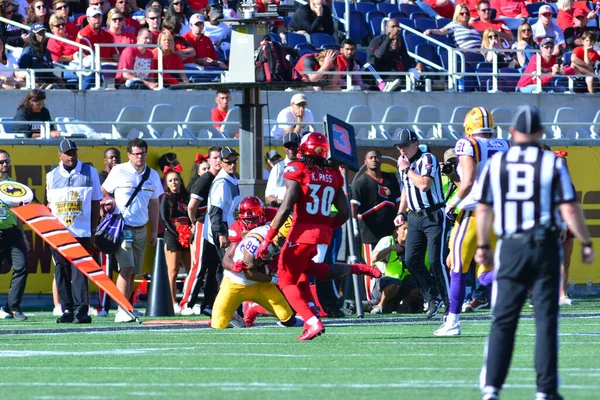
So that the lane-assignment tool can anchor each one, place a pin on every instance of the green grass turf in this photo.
(387, 359)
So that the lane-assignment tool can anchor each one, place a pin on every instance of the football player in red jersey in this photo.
(312, 187)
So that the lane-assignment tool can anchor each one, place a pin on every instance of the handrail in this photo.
(81, 47)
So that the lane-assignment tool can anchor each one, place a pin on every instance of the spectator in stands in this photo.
(567, 13)
(60, 51)
(525, 41)
(218, 114)
(583, 61)
(137, 58)
(37, 56)
(206, 54)
(291, 118)
(11, 35)
(229, 9)
(115, 24)
(8, 65)
(511, 9)
(103, 5)
(324, 61)
(176, 9)
(491, 40)
(472, 6)
(573, 35)
(312, 18)
(38, 12)
(271, 159)
(32, 109)
(346, 61)
(182, 48)
(93, 33)
(549, 65)
(171, 60)
(154, 21)
(216, 30)
(130, 25)
(437, 8)
(484, 11)
(387, 52)
(464, 36)
(61, 10)
(545, 27)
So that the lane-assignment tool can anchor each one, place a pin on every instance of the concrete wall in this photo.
(105, 105)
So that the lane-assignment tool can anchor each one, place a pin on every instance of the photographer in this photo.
(450, 178)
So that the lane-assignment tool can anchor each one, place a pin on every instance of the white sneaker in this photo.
(196, 309)
(448, 329)
(391, 86)
(186, 311)
(92, 312)
(177, 309)
(4, 314)
(122, 316)
(565, 301)
(102, 313)
(57, 311)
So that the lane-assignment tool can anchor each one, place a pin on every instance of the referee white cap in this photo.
(527, 120)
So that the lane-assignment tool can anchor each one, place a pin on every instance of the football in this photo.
(108, 203)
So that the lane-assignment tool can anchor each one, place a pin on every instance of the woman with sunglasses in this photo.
(38, 12)
(491, 40)
(61, 52)
(11, 35)
(525, 41)
(114, 23)
(463, 35)
(176, 9)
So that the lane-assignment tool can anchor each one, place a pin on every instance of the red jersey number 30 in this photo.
(322, 199)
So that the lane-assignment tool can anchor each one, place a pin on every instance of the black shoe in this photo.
(83, 319)
(66, 318)
(334, 312)
(19, 315)
(433, 308)
(544, 396)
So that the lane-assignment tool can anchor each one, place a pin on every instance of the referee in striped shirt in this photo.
(523, 189)
(423, 196)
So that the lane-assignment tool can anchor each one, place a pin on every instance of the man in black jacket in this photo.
(387, 52)
(314, 17)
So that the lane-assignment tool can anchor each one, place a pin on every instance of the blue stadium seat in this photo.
(320, 39)
(508, 83)
(416, 15)
(410, 8)
(422, 24)
(406, 21)
(365, 7)
(330, 46)
(361, 57)
(305, 48)
(532, 21)
(358, 26)
(375, 26)
(442, 22)
(387, 8)
(275, 37)
(370, 16)
(294, 39)
(428, 52)
(397, 15)
(482, 80)
(567, 58)
(411, 40)
(339, 8)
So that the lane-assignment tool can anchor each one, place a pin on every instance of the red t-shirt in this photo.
(511, 8)
(203, 45)
(312, 211)
(58, 49)
(124, 38)
(171, 61)
(446, 11)
(131, 25)
(498, 25)
(592, 54)
(532, 68)
(71, 30)
(90, 37)
(237, 230)
(132, 58)
(218, 115)
(198, 5)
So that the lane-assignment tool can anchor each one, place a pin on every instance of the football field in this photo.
(387, 357)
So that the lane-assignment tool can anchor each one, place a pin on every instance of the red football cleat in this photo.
(364, 269)
(250, 314)
(312, 331)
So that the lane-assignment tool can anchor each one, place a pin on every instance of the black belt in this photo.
(430, 210)
(538, 234)
(135, 227)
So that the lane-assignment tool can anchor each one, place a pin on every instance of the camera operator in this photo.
(450, 178)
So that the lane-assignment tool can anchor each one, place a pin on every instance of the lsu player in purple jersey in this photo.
(472, 151)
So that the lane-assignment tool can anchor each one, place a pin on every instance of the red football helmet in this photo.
(314, 144)
(252, 212)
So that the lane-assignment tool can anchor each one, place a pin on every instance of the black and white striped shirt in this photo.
(425, 164)
(525, 186)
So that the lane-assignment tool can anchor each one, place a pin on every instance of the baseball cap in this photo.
(449, 154)
(271, 154)
(547, 40)
(405, 137)
(298, 98)
(196, 18)
(93, 11)
(579, 13)
(291, 137)
(66, 145)
(38, 27)
(527, 120)
(545, 9)
(227, 152)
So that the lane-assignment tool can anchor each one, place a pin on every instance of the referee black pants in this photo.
(522, 263)
(427, 233)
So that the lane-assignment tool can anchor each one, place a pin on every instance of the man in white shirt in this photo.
(291, 118)
(275, 189)
(121, 183)
(73, 194)
(545, 27)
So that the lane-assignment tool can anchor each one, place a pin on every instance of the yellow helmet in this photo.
(479, 121)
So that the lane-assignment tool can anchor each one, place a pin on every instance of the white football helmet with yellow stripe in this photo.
(479, 121)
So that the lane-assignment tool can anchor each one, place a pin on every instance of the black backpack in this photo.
(271, 64)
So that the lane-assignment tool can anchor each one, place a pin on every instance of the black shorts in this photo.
(172, 243)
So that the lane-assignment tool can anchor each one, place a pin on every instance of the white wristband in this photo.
(274, 280)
